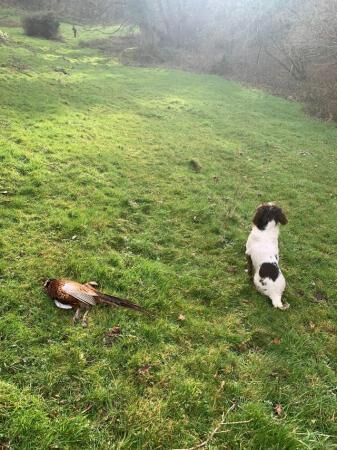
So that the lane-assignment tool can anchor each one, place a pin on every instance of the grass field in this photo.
(96, 184)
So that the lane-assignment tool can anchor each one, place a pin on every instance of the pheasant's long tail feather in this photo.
(116, 301)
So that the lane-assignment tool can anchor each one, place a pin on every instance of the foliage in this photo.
(96, 184)
(41, 25)
(287, 46)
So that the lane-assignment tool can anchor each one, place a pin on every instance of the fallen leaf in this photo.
(116, 330)
(276, 341)
(133, 204)
(278, 410)
(312, 325)
(144, 370)
(181, 317)
(112, 335)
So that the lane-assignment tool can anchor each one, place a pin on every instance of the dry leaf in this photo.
(312, 326)
(276, 341)
(144, 370)
(278, 410)
(116, 330)
(181, 317)
(133, 204)
(112, 335)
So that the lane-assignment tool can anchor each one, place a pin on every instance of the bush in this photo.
(42, 25)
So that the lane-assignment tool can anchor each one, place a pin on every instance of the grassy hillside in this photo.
(96, 184)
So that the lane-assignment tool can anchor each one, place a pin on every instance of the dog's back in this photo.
(262, 249)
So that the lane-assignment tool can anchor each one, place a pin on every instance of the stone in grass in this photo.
(320, 297)
(195, 165)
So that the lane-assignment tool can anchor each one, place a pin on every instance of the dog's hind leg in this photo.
(277, 303)
(249, 267)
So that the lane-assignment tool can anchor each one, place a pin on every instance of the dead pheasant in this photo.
(69, 294)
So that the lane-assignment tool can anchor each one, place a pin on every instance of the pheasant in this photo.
(68, 294)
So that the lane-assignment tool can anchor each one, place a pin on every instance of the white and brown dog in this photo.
(263, 254)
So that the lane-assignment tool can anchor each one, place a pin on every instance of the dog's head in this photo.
(267, 212)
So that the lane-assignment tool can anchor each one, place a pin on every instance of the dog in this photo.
(263, 254)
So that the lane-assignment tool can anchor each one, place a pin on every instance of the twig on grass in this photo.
(216, 430)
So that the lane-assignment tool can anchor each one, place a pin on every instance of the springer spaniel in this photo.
(263, 255)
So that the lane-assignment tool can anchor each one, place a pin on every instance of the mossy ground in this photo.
(96, 163)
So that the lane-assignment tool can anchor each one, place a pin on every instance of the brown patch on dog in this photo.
(269, 270)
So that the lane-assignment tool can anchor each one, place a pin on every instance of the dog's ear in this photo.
(280, 216)
(261, 218)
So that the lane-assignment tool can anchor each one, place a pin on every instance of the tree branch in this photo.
(216, 430)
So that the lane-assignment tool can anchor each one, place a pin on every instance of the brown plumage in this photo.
(68, 294)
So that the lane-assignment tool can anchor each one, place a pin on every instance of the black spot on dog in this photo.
(266, 213)
(269, 270)
(262, 282)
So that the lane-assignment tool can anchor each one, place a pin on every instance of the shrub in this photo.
(42, 25)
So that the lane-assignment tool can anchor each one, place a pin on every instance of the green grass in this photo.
(100, 187)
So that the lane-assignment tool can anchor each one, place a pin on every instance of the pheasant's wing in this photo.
(82, 293)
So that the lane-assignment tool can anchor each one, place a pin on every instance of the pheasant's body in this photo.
(68, 294)
(72, 294)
